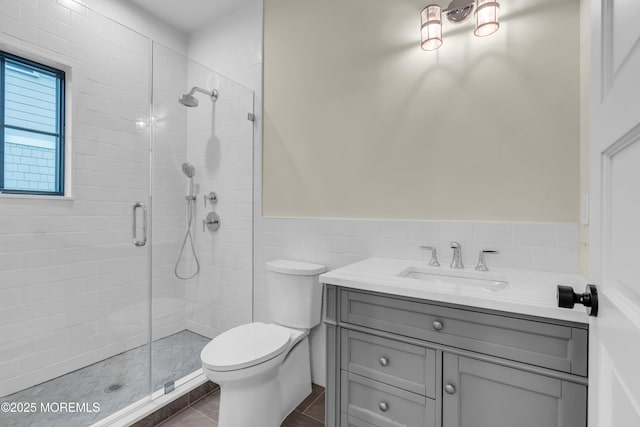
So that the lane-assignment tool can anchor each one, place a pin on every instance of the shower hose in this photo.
(189, 237)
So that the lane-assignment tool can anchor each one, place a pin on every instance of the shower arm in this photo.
(213, 94)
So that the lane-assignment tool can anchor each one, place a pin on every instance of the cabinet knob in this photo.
(383, 361)
(437, 325)
(384, 406)
(450, 389)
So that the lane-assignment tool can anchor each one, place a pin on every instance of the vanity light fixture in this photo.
(486, 14)
(431, 31)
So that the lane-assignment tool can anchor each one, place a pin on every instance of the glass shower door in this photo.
(75, 295)
(202, 165)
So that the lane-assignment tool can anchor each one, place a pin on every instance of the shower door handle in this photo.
(135, 224)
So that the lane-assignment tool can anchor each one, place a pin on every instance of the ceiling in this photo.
(190, 15)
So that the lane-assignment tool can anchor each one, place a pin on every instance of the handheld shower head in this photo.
(188, 170)
(188, 100)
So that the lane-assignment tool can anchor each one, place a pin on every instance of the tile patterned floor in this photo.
(204, 412)
(88, 384)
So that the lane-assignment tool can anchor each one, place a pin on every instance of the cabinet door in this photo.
(482, 394)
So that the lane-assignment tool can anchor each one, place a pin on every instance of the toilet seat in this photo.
(245, 346)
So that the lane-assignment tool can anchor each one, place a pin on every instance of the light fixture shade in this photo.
(486, 17)
(431, 27)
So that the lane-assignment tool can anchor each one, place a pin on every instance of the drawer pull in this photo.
(384, 406)
(437, 325)
(450, 389)
(383, 361)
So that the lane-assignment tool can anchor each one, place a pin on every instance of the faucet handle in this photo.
(481, 264)
(434, 255)
(212, 197)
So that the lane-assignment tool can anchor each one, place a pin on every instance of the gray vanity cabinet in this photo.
(482, 394)
(395, 361)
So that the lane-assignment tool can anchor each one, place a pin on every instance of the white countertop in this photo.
(528, 292)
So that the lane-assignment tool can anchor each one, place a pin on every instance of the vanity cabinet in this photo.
(396, 361)
(484, 394)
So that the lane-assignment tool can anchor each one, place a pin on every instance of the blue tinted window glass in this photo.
(32, 119)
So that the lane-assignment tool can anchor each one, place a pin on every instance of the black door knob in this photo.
(567, 298)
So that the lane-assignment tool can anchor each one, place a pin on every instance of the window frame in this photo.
(60, 75)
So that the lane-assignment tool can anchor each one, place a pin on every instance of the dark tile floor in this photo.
(204, 412)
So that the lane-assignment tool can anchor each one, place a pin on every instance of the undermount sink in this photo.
(486, 281)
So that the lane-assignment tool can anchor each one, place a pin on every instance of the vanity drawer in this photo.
(383, 405)
(562, 348)
(402, 365)
(351, 421)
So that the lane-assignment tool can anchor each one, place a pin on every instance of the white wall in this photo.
(73, 289)
(232, 46)
(131, 15)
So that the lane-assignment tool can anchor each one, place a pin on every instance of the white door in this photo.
(614, 392)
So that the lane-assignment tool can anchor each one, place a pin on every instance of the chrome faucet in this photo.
(456, 261)
(482, 266)
(434, 255)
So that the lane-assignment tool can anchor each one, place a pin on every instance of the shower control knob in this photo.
(212, 197)
(212, 221)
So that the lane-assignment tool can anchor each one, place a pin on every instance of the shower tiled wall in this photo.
(169, 186)
(220, 146)
(73, 289)
(222, 296)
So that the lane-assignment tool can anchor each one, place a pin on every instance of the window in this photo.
(31, 127)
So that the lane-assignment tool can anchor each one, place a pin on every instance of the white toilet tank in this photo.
(295, 293)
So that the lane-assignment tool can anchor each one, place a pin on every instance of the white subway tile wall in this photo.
(169, 187)
(338, 242)
(232, 45)
(220, 146)
(73, 289)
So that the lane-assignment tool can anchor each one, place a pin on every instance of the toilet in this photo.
(263, 369)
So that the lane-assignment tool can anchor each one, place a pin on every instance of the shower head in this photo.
(188, 100)
(188, 170)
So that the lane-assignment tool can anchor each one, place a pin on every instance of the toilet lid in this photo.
(245, 346)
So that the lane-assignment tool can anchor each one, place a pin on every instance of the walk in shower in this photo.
(91, 308)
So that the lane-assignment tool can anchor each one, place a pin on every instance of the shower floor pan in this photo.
(113, 383)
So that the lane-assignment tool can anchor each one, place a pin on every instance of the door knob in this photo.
(437, 325)
(567, 298)
(450, 389)
(383, 361)
(384, 406)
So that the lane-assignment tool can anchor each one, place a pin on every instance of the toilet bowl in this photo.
(263, 369)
